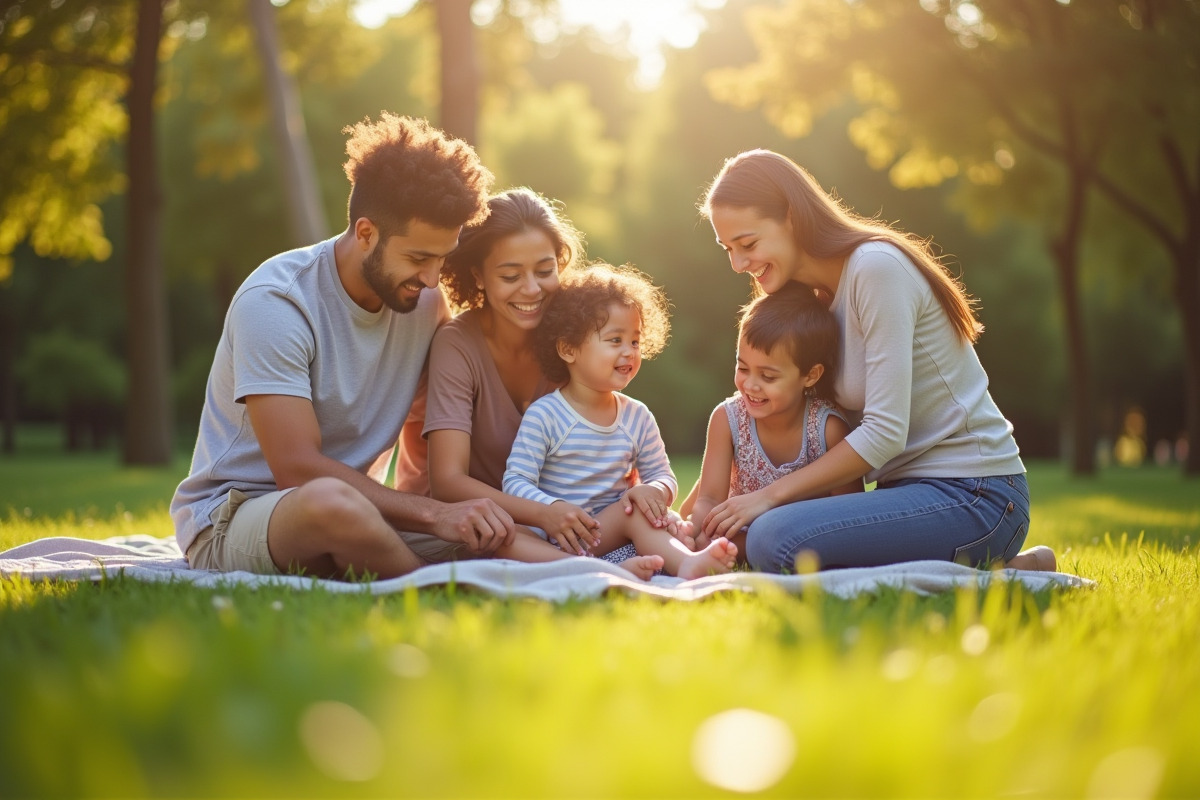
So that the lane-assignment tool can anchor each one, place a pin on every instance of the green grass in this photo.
(127, 689)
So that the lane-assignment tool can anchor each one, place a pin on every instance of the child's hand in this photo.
(650, 501)
(736, 513)
(571, 527)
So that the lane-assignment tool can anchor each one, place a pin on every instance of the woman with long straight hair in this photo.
(950, 482)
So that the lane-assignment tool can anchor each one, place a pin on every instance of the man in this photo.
(317, 366)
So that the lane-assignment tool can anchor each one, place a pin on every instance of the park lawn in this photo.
(128, 689)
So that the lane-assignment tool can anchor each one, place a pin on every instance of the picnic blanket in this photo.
(146, 558)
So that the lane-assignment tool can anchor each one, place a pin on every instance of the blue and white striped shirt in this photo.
(559, 455)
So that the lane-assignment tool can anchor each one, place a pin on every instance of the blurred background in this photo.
(153, 153)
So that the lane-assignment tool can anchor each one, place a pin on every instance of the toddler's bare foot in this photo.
(716, 559)
(1039, 559)
(643, 567)
(684, 532)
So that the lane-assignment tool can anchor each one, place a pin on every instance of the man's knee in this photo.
(332, 504)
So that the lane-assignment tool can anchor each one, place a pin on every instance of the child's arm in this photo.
(569, 525)
(840, 465)
(837, 429)
(658, 486)
(713, 487)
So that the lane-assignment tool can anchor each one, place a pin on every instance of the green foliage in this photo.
(629, 165)
(61, 84)
(554, 142)
(59, 371)
(171, 690)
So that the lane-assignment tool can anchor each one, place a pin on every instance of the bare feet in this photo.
(716, 559)
(684, 531)
(1039, 559)
(643, 567)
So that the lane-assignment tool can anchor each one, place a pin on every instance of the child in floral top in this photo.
(783, 415)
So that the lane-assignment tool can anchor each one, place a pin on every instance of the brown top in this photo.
(466, 394)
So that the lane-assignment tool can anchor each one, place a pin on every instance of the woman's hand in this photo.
(650, 500)
(571, 527)
(736, 513)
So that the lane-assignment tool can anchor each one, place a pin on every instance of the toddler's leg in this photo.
(616, 527)
(529, 547)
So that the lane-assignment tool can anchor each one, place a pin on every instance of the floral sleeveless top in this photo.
(752, 470)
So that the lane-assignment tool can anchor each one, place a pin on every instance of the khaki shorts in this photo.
(237, 540)
(433, 550)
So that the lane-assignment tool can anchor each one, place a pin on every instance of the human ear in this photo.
(478, 278)
(365, 233)
(565, 351)
(814, 375)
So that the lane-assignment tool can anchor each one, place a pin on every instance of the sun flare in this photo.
(643, 27)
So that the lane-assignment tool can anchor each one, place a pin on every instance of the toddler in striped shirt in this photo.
(579, 444)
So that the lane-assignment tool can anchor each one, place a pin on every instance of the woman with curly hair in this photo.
(577, 445)
(484, 372)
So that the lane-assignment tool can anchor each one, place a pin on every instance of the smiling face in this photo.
(518, 276)
(760, 246)
(771, 383)
(609, 358)
(399, 268)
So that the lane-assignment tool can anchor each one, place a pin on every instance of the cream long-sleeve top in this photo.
(921, 391)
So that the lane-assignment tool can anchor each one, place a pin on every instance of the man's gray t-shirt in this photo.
(293, 330)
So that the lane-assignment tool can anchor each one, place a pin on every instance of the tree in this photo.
(148, 419)
(952, 87)
(459, 69)
(1153, 171)
(63, 73)
(73, 62)
(291, 138)
(76, 378)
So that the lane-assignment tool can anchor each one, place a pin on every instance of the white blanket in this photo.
(146, 558)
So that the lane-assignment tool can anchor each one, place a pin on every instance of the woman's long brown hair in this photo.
(780, 189)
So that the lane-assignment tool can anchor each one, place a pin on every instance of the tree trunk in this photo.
(460, 72)
(1187, 274)
(147, 422)
(1066, 258)
(8, 385)
(301, 188)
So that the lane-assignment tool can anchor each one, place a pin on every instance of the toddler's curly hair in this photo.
(403, 168)
(579, 309)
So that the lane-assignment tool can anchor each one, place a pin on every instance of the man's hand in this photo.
(650, 500)
(571, 527)
(481, 525)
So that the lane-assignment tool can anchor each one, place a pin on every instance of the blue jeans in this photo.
(974, 521)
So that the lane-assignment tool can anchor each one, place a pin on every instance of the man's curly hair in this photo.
(403, 168)
(579, 309)
(509, 213)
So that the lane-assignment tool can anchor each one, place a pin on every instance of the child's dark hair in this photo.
(510, 213)
(580, 308)
(403, 168)
(795, 318)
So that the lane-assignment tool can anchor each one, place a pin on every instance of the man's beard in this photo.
(373, 275)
